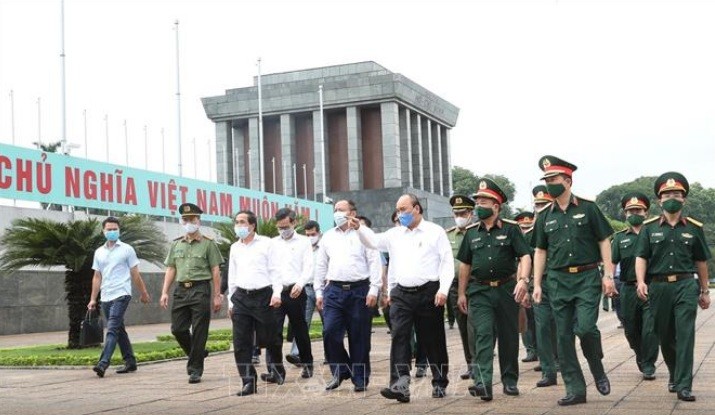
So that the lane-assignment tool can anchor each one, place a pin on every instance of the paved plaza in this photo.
(162, 388)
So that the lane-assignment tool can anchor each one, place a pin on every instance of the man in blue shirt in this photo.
(115, 267)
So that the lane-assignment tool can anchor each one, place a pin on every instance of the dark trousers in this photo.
(345, 310)
(294, 309)
(190, 319)
(675, 306)
(116, 333)
(253, 314)
(466, 332)
(546, 333)
(639, 328)
(416, 309)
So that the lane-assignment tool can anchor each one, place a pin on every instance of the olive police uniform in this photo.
(637, 314)
(455, 235)
(492, 254)
(543, 313)
(571, 239)
(671, 252)
(193, 260)
(525, 220)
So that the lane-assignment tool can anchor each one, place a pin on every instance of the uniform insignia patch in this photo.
(500, 237)
(579, 216)
(687, 235)
(482, 185)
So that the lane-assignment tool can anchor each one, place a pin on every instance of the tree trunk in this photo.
(78, 289)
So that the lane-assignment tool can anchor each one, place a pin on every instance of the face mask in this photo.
(340, 218)
(112, 235)
(484, 212)
(191, 227)
(241, 231)
(406, 218)
(314, 239)
(286, 233)
(555, 190)
(672, 205)
(635, 220)
(461, 222)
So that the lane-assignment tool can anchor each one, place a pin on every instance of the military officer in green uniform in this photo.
(489, 254)
(545, 324)
(670, 250)
(462, 208)
(193, 261)
(572, 235)
(637, 314)
(525, 220)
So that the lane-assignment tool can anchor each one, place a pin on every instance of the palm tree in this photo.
(47, 243)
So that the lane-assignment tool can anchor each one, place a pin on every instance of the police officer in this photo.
(525, 220)
(574, 236)
(670, 248)
(462, 208)
(193, 261)
(637, 314)
(544, 322)
(489, 254)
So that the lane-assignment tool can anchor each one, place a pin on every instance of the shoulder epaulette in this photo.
(473, 225)
(583, 198)
(207, 237)
(651, 220)
(546, 206)
(448, 230)
(694, 222)
(621, 231)
(529, 230)
(179, 238)
(513, 222)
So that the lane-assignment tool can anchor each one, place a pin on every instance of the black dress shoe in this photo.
(483, 392)
(530, 357)
(421, 372)
(399, 395)
(273, 378)
(603, 386)
(439, 392)
(293, 359)
(334, 382)
(194, 378)
(572, 400)
(467, 375)
(537, 368)
(511, 390)
(686, 395)
(248, 389)
(99, 370)
(671, 387)
(359, 388)
(649, 376)
(546, 381)
(127, 368)
(307, 372)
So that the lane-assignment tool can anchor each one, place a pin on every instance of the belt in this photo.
(417, 288)
(287, 288)
(254, 292)
(349, 285)
(578, 268)
(495, 283)
(672, 277)
(189, 284)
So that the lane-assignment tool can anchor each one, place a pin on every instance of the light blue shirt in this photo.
(115, 264)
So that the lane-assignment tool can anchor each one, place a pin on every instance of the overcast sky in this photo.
(621, 89)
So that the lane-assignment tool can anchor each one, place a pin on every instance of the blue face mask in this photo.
(242, 231)
(112, 235)
(406, 218)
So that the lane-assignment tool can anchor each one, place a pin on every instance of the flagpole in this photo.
(39, 123)
(86, 147)
(64, 88)
(295, 182)
(322, 143)
(261, 181)
(305, 183)
(178, 99)
(12, 115)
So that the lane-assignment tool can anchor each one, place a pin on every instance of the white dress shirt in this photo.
(417, 256)
(254, 265)
(341, 257)
(298, 258)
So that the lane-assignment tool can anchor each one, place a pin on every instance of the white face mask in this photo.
(286, 233)
(340, 218)
(314, 239)
(191, 227)
(241, 231)
(461, 222)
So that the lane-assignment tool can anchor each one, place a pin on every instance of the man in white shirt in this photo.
(347, 281)
(115, 267)
(297, 255)
(421, 273)
(254, 292)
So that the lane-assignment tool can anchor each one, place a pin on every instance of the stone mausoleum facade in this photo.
(384, 135)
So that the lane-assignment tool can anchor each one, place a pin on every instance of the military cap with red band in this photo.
(635, 200)
(671, 181)
(488, 188)
(553, 166)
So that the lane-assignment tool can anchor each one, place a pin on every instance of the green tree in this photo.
(464, 181)
(609, 200)
(47, 243)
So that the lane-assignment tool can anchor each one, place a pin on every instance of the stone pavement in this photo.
(162, 388)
